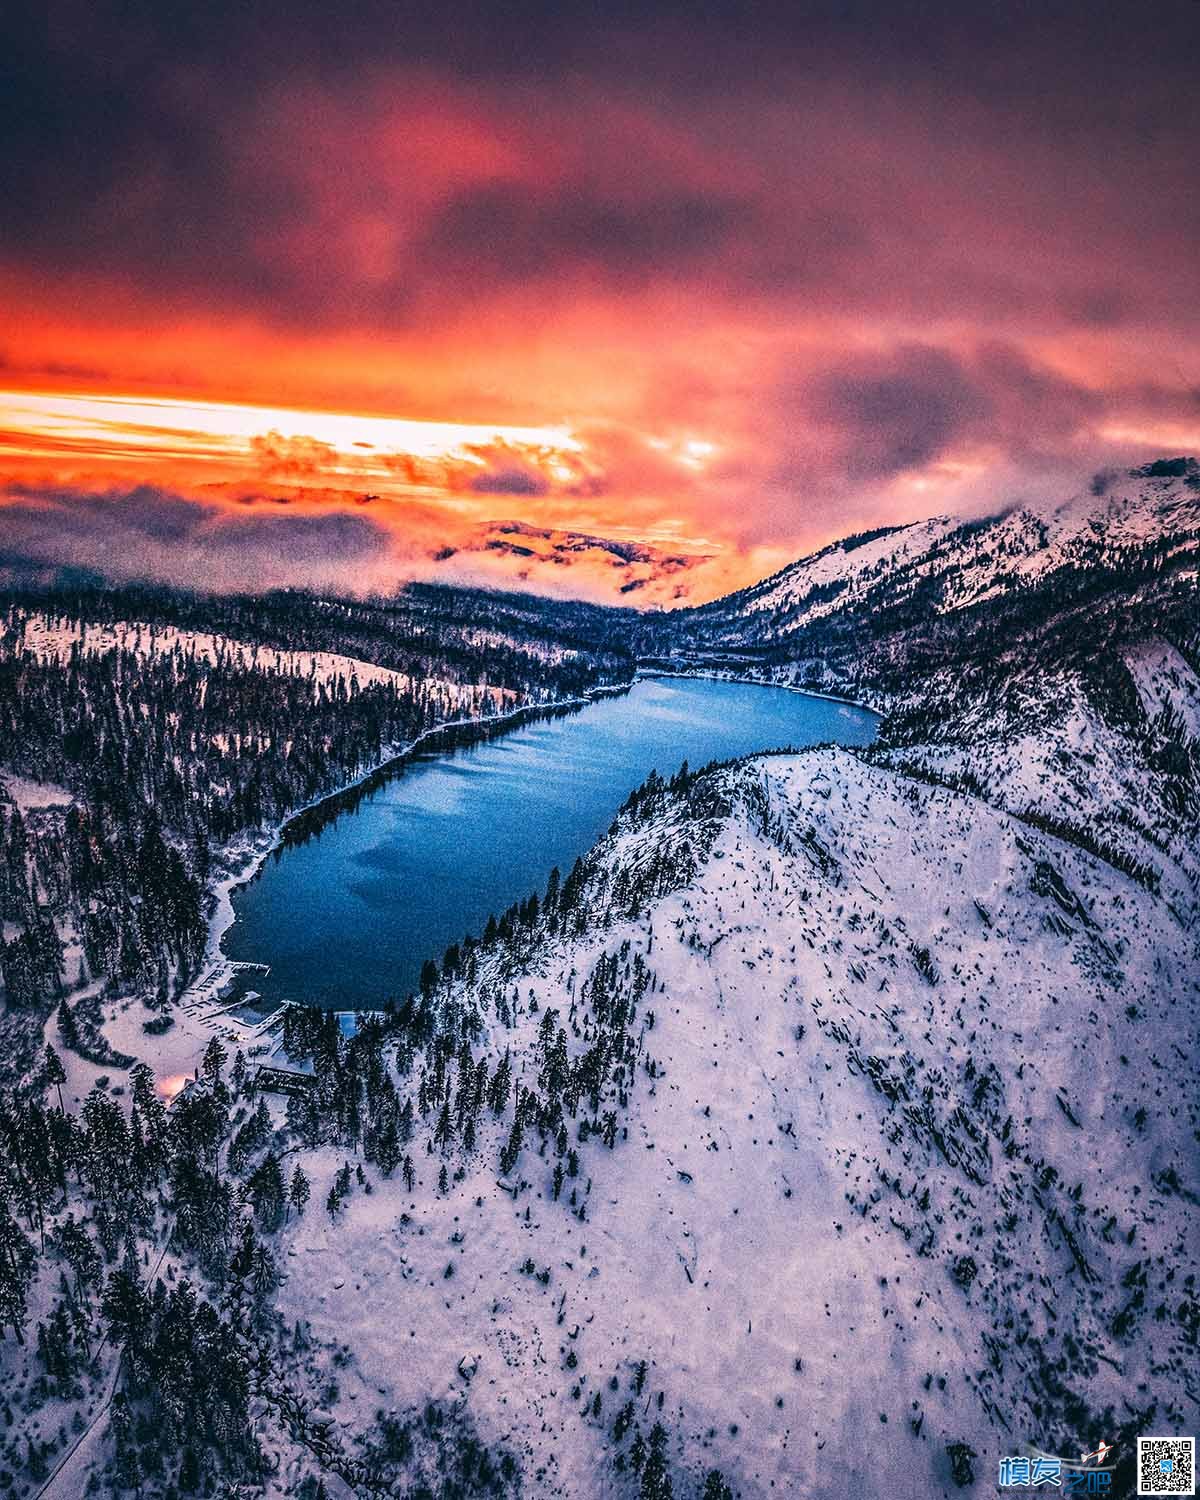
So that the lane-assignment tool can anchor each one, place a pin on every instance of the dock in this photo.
(204, 1001)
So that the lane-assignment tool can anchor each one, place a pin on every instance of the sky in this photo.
(316, 293)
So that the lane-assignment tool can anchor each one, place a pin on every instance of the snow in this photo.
(888, 1176)
(32, 796)
(766, 1208)
(1166, 683)
(52, 639)
(971, 562)
(919, 1123)
(858, 568)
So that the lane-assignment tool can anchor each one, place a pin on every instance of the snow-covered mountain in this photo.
(899, 1161)
(830, 1129)
(909, 594)
(890, 1166)
(514, 553)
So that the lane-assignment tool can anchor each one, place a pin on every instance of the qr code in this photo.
(1166, 1466)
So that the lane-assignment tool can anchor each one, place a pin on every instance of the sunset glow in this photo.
(239, 441)
(570, 273)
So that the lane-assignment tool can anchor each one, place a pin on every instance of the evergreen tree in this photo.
(267, 1192)
(215, 1058)
(299, 1190)
(56, 1074)
(387, 1148)
(656, 1477)
(68, 1028)
(17, 1262)
(128, 1467)
(498, 1089)
(511, 1152)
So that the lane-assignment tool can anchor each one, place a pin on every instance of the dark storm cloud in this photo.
(896, 412)
(848, 427)
(135, 142)
(511, 232)
(963, 227)
(887, 413)
(509, 482)
(150, 533)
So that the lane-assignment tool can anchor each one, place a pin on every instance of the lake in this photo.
(346, 915)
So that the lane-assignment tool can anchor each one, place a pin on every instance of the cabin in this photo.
(282, 1081)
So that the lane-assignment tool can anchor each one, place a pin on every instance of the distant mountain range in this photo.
(858, 614)
(512, 552)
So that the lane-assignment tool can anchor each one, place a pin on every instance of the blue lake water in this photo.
(346, 916)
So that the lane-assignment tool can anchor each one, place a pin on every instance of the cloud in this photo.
(895, 412)
(146, 533)
(870, 258)
(281, 457)
(509, 482)
(509, 234)
(898, 410)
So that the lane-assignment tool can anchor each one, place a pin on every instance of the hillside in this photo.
(867, 614)
(892, 1160)
(892, 1165)
(148, 736)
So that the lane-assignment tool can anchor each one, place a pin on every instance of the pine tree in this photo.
(498, 1089)
(267, 1192)
(128, 1468)
(511, 1152)
(124, 1304)
(656, 1477)
(17, 1262)
(215, 1058)
(68, 1027)
(299, 1190)
(56, 1074)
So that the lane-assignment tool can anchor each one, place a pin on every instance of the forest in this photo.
(171, 741)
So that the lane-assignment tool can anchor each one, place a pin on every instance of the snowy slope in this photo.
(949, 564)
(888, 1190)
(51, 639)
(550, 559)
(890, 1163)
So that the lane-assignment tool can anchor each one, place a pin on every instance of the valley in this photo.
(830, 1117)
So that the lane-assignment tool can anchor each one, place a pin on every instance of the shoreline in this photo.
(787, 687)
(249, 856)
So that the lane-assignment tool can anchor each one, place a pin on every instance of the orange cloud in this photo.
(725, 287)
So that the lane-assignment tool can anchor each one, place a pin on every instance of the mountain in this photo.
(853, 1145)
(512, 552)
(904, 597)
(829, 1129)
